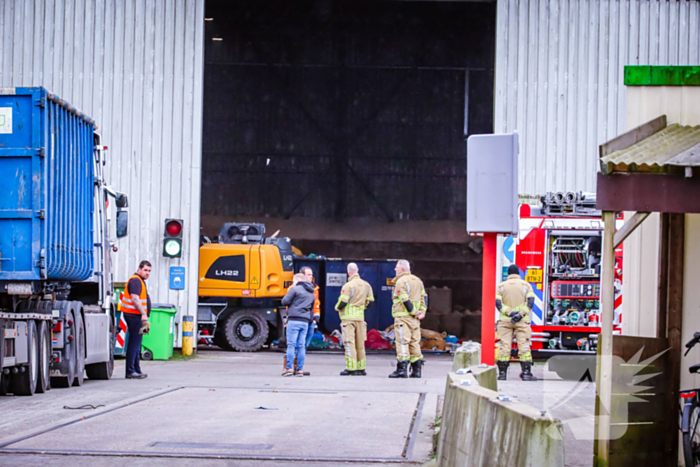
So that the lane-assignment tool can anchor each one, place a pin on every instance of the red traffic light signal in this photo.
(173, 228)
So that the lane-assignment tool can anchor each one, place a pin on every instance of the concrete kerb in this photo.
(466, 356)
(467, 359)
(479, 430)
(485, 376)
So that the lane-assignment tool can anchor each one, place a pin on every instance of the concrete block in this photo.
(486, 377)
(471, 326)
(451, 323)
(468, 355)
(439, 300)
(479, 430)
(431, 321)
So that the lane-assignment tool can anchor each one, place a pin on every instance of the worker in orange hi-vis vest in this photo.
(135, 305)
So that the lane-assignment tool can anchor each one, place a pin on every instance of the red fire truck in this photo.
(558, 251)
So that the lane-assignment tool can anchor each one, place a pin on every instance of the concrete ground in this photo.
(571, 402)
(213, 409)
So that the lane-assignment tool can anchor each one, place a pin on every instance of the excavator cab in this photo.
(242, 280)
(238, 233)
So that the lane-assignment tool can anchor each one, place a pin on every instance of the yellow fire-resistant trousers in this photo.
(522, 335)
(407, 338)
(354, 337)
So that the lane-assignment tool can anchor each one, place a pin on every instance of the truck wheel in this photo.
(4, 383)
(68, 352)
(220, 339)
(80, 348)
(24, 382)
(44, 382)
(104, 370)
(246, 331)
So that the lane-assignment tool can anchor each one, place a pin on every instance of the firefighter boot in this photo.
(502, 371)
(401, 370)
(527, 371)
(416, 368)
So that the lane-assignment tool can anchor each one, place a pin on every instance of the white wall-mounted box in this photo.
(492, 183)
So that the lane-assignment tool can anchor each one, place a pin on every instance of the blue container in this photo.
(46, 187)
(379, 274)
(316, 265)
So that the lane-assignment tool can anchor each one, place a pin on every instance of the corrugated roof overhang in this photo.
(652, 168)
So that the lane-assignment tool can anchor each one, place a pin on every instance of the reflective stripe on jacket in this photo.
(358, 294)
(125, 303)
(513, 294)
(408, 287)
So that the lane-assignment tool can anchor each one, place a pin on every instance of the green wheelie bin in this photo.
(158, 344)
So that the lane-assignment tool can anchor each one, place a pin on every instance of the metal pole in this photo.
(187, 334)
(488, 299)
(605, 340)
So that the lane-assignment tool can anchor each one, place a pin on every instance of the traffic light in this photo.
(172, 243)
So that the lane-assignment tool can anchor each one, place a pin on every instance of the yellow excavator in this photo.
(242, 280)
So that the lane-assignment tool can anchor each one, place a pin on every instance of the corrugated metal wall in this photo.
(134, 66)
(559, 76)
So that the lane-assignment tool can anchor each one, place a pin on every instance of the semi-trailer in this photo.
(56, 312)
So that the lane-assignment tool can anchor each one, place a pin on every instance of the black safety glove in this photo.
(515, 317)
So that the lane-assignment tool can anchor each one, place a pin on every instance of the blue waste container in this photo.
(379, 274)
(316, 265)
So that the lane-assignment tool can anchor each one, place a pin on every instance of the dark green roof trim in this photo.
(646, 75)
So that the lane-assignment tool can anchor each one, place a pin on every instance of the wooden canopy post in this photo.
(604, 379)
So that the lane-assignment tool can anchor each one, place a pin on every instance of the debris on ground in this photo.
(375, 341)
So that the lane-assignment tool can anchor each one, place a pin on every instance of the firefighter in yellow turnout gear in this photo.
(355, 296)
(514, 300)
(410, 303)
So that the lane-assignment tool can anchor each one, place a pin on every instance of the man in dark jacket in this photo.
(300, 299)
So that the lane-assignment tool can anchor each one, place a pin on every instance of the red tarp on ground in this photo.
(376, 342)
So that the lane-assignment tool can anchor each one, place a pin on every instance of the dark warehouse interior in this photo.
(343, 125)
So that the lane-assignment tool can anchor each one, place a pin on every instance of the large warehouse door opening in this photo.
(342, 124)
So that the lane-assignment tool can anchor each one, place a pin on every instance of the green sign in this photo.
(645, 75)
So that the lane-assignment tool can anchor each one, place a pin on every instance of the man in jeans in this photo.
(135, 305)
(300, 300)
(309, 275)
